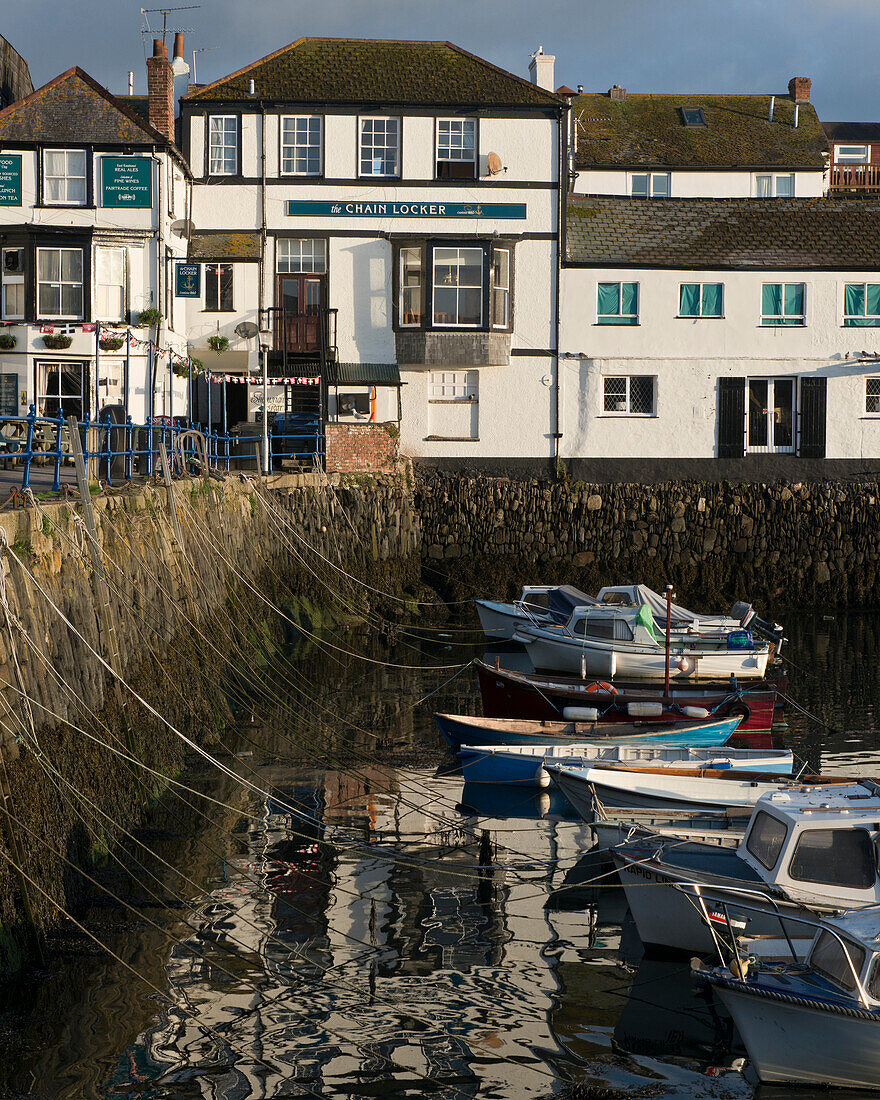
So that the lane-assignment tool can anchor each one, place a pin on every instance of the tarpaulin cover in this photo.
(563, 600)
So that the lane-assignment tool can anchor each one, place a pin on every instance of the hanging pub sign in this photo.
(10, 180)
(126, 181)
(188, 283)
(351, 208)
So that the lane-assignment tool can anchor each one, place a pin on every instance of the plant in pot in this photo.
(148, 317)
(57, 341)
(188, 368)
(218, 343)
(7, 341)
(111, 343)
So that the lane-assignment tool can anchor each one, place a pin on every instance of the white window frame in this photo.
(601, 317)
(478, 325)
(843, 154)
(60, 283)
(876, 396)
(291, 147)
(774, 178)
(12, 279)
(44, 366)
(497, 289)
(777, 320)
(99, 313)
(627, 397)
(700, 316)
(452, 386)
(310, 255)
(651, 178)
(455, 151)
(363, 121)
(768, 447)
(223, 171)
(420, 287)
(67, 177)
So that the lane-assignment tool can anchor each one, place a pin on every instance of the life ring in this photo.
(602, 685)
(739, 710)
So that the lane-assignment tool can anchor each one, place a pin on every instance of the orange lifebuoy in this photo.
(602, 685)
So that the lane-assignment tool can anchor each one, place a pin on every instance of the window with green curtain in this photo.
(689, 305)
(618, 304)
(861, 305)
(793, 301)
(782, 304)
(712, 302)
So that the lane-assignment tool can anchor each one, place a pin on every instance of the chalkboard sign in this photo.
(126, 181)
(8, 395)
(10, 180)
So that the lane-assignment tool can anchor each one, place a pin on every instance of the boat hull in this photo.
(498, 620)
(801, 1044)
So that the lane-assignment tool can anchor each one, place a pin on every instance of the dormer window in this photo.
(650, 185)
(693, 116)
(771, 186)
(64, 177)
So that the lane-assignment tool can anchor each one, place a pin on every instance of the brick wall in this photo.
(361, 448)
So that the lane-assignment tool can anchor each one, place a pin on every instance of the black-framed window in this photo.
(462, 284)
(456, 148)
(60, 283)
(218, 288)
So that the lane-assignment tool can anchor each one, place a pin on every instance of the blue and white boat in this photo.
(463, 729)
(525, 765)
(816, 1023)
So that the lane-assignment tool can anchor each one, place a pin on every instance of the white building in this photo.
(383, 211)
(92, 198)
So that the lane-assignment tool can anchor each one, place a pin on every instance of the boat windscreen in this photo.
(828, 958)
(564, 599)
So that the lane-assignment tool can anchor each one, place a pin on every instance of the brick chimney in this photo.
(799, 88)
(617, 93)
(160, 88)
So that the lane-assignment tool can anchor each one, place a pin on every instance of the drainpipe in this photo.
(562, 170)
(262, 295)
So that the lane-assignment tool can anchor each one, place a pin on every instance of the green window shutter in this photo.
(689, 304)
(712, 299)
(794, 299)
(629, 299)
(854, 300)
(872, 300)
(609, 299)
(771, 300)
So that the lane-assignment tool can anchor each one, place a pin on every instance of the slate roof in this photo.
(799, 234)
(75, 108)
(649, 131)
(213, 245)
(351, 71)
(137, 104)
(857, 132)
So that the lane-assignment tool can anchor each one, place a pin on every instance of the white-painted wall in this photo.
(697, 184)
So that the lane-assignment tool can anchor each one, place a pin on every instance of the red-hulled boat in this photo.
(510, 694)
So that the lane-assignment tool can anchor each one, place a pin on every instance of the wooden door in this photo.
(301, 297)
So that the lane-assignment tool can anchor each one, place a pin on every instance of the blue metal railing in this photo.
(123, 451)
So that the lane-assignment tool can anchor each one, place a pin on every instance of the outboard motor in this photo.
(773, 632)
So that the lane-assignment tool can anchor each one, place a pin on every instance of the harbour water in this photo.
(376, 929)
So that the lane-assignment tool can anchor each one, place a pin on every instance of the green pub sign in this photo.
(354, 208)
(10, 180)
(188, 280)
(126, 181)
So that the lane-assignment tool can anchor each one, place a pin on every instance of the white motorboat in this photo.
(625, 642)
(808, 850)
(815, 1024)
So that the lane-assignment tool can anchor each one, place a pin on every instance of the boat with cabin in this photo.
(807, 850)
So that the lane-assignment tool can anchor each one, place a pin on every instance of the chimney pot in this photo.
(178, 44)
(580, 89)
(799, 88)
(159, 48)
(617, 93)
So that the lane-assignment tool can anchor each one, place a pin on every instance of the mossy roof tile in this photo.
(353, 71)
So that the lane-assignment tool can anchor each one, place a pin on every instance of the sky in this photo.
(645, 45)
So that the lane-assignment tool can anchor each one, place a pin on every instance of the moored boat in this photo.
(463, 729)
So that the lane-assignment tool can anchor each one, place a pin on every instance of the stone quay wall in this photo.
(778, 545)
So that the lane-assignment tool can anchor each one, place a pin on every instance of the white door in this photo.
(770, 423)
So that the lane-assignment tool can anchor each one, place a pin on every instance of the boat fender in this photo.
(695, 712)
(644, 710)
(602, 685)
(682, 664)
(580, 714)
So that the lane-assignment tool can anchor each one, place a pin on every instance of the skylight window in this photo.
(693, 116)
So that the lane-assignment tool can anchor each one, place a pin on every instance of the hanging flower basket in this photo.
(7, 341)
(147, 317)
(111, 343)
(218, 343)
(57, 341)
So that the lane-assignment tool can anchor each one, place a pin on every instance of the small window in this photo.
(500, 288)
(770, 186)
(223, 145)
(693, 116)
(218, 288)
(380, 147)
(457, 385)
(872, 396)
(629, 396)
(650, 185)
(64, 177)
(782, 304)
(835, 857)
(765, 839)
(618, 304)
(829, 959)
(13, 284)
(109, 284)
(301, 257)
(861, 305)
(851, 154)
(458, 287)
(410, 286)
(610, 630)
(301, 146)
(456, 148)
(60, 283)
(701, 300)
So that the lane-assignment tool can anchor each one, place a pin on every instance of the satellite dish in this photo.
(493, 162)
(182, 228)
(247, 330)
